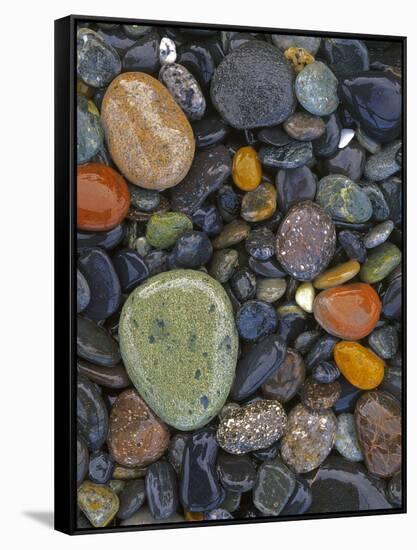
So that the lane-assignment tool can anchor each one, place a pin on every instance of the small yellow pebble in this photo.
(337, 275)
(299, 58)
(304, 296)
(246, 169)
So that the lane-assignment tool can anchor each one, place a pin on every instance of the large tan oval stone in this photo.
(148, 135)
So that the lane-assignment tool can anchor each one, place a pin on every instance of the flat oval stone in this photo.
(306, 241)
(378, 234)
(90, 133)
(243, 284)
(92, 417)
(95, 344)
(103, 197)
(345, 56)
(256, 365)
(103, 281)
(192, 250)
(270, 290)
(251, 427)
(378, 422)
(164, 347)
(200, 490)
(136, 436)
(316, 89)
(161, 489)
(380, 263)
(233, 233)
(295, 185)
(208, 219)
(383, 164)
(374, 101)
(247, 169)
(340, 486)
(184, 89)
(162, 230)
(328, 143)
(284, 41)
(304, 127)
(317, 396)
(274, 486)
(348, 311)
(255, 319)
(359, 365)
(98, 502)
(255, 69)
(223, 264)
(115, 377)
(347, 439)
(97, 62)
(287, 379)
(158, 150)
(260, 204)
(337, 275)
(101, 467)
(130, 268)
(308, 439)
(209, 170)
(131, 498)
(83, 292)
(343, 199)
(236, 472)
(146, 200)
(102, 239)
(292, 155)
(384, 341)
(348, 161)
(143, 56)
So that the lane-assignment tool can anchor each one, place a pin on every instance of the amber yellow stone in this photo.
(193, 516)
(246, 169)
(299, 58)
(359, 365)
(337, 275)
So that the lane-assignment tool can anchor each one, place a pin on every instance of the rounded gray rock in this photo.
(253, 86)
(316, 89)
(184, 88)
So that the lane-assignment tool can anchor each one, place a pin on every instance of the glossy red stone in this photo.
(103, 197)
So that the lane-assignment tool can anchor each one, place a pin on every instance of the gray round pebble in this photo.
(316, 89)
(383, 164)
(346, 438)
(378, 234)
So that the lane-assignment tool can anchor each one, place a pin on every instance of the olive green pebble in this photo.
(177, 331)
(380, 262)
(98, 502)
(223, 264)
(163, 230)
(270, 290)
(343, 199)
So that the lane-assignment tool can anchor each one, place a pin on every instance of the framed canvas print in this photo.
(230, 306)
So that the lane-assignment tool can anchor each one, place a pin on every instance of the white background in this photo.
(26, 302)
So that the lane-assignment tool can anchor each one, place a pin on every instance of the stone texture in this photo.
(343, 199)
(246, 169)
(275, 484)
(184, 89)
(347, 439)
(318, 396)
(378, 423)
(158, 149)
(316, 89)
(98, 502)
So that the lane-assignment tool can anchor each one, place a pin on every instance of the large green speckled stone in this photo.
(179, 344)
(343, 199)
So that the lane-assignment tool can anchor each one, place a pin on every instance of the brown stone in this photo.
(318, 396)
(304, 127)
(136, 436)
(287, 379)
(232, 233)
(378, 423)
(148, 135)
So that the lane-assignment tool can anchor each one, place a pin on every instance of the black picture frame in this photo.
(65, 489)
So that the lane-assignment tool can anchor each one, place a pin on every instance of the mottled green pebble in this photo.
(270, 290)
(343, 199)
(142, 246)
(163, 230)
(177, 332)
(383, 164)
(144, 199)
(380, 262)
(98, 502)
(90, 133)
(97, 62)
(316, 89)
(223, 264)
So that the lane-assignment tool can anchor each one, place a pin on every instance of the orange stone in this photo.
(193, 516)
(359, 365)
(348, 311)
(246, 169)
(337, 275)
(103, 198)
